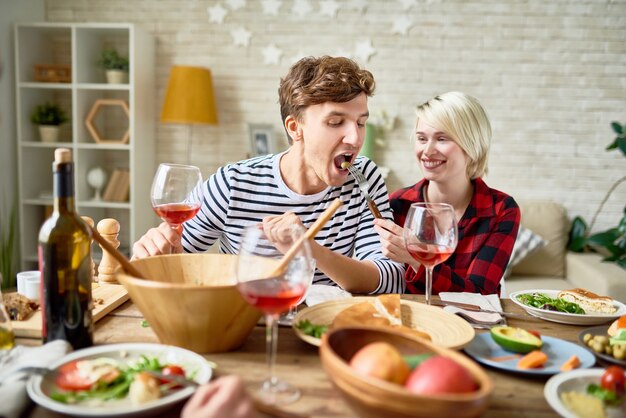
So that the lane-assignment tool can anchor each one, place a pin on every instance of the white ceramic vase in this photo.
(117, 76)
(49, 133)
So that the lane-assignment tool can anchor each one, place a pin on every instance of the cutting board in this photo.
(112, 295)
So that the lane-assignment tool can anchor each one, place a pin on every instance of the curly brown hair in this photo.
(312, 81)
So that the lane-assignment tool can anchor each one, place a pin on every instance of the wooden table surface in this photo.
(299, 364)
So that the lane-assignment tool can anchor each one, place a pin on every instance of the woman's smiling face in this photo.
(440, 158)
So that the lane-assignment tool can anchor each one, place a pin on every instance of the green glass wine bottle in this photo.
(65, 260)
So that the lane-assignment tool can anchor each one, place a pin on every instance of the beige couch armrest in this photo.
(588, 271)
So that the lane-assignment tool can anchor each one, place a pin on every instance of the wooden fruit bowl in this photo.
(373, 398)
(192, 301)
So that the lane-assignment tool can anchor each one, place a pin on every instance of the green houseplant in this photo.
(8, 246)
(612, 242)
(115, 66)
(48, 117)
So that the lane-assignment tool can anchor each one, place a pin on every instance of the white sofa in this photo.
(552, 266)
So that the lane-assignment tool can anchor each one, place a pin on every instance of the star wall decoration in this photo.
(402, 25)
(407, 4)
(364, 50)
(236, 4)
(217, 13)
(271, 54)
(241, 36)
(329, 8)
(301, 8)
(270, 7)
(358, 5)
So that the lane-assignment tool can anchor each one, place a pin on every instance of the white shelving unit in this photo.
(79, 45)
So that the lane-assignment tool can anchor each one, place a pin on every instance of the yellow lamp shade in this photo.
(189, 97)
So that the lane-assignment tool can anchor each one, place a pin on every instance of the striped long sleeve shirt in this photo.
(243, 193)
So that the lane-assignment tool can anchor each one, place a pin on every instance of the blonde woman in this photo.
(451, 143)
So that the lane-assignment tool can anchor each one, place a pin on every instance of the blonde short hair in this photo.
(463, 118)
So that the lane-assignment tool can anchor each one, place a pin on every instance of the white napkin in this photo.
(319, 293)
(13, 396)
(487, 302)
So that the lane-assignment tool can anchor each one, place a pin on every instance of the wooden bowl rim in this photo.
(135, 281)
(486, 385)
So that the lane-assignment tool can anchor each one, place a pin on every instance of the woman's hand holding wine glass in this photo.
(176, 193)
(273, 294)
(430, 235)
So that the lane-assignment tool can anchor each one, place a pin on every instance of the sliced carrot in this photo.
(572, 363)
(532, 360)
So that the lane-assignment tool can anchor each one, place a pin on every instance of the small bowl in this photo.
(372, 398)
(192, 301)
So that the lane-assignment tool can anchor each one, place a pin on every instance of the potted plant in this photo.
(48, 117)
(115, 66)
(611, 243)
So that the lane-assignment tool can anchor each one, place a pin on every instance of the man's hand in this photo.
(160, 240)
(224, 397)
(278, 230)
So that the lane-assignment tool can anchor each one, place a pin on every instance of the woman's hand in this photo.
(278, 230)
(392, 242)
(224, 397)
(160, 240)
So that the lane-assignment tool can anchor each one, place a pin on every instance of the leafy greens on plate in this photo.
(541, 301)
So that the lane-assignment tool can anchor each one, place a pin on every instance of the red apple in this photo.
(439, 375)
(381, 360)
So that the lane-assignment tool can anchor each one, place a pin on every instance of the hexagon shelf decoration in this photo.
(93, 113)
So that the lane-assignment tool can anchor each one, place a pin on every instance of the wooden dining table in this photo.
(298, 362)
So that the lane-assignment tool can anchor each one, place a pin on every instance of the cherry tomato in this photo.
(69, 378)
(535, 333)
(173, 369)
(613, 379)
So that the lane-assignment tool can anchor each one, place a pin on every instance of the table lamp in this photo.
(189, 100)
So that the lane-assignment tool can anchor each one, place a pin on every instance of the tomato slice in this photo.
(69, 378)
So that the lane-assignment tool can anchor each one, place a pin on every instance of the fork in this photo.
(364, 186)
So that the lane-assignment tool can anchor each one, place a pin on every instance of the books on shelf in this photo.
(118, 187)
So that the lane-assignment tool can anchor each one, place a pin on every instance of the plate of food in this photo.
(586, 393)
(608, 343)
(114, 380)
(485, 350)
(417, 319)
(574, 306)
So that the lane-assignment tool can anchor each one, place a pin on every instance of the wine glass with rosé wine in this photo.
(176, 193)
(273, 293)
(430, 235)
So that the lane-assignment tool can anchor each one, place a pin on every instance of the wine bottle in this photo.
(65, 263)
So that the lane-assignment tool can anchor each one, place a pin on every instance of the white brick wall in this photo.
(551, 74)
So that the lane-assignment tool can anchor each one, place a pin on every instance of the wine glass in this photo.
(273, 294)
(176, 193)
(287, 319)
(430, 236)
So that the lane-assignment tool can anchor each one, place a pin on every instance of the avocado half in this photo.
(515, 339)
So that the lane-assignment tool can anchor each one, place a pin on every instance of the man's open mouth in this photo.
(343, 158)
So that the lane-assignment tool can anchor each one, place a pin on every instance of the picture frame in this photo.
(262, 139)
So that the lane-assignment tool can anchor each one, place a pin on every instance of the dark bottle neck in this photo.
(64, 187)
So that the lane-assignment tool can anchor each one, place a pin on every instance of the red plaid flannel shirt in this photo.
(487, 232)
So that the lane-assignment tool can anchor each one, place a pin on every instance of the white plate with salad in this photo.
(95, 382)
(539, 296)
(569, 395)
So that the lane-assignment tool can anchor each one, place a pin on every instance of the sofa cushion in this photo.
(549, 220)
(526, 242)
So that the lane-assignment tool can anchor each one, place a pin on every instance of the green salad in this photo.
(311, 329)
(541, 301)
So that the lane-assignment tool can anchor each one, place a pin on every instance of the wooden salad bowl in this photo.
(192, 301)
(372, 398)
